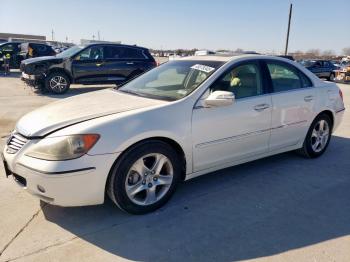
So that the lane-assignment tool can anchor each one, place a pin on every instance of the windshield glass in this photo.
(308, 63)
(172, 80)
(70, 51)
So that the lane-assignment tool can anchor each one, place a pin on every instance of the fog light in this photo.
(40, 188)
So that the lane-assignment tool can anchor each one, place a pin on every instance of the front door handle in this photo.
(130, 63)
(261, 107)
(99, 64)
(308, 98)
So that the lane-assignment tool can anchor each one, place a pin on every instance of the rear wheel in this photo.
(318, 137)
(57, 83)
(145, 177)
(332, 77)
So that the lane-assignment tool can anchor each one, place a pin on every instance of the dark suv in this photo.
(90, 64)
(19, 51)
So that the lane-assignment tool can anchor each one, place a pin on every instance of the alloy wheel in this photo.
(320, 136)
(149, 179)
(58, 84)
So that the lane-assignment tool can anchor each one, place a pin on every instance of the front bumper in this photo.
(76, 182)
(31, 80)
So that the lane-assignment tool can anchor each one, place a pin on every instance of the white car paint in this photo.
(211, 138)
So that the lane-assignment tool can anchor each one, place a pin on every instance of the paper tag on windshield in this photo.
(203, 68)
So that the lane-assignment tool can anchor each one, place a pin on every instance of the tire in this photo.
(316, 141)
(136, 186)
(331, 77)
(57, 83)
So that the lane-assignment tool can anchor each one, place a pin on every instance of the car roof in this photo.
(115, 44)
(221, 58)
(227, 58)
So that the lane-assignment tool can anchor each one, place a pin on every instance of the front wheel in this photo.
(331, 77)
(57, 83)
(318, 137)
(145, 177)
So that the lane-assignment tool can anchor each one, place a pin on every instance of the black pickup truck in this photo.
(89, 64)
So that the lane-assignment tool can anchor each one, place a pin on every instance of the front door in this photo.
(88, 67)
(225, 134)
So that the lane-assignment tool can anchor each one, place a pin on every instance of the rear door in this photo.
(327, 69)
(293, 99)
(117, 67)
(122, 63)
(88, 66)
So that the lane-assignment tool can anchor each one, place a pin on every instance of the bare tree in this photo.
(346, 51)
(314, 52)
(328, 53)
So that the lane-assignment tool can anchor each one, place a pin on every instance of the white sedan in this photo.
(183, 119)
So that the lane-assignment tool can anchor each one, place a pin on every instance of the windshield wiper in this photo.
(129, 92)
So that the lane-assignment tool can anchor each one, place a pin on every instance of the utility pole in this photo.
(52, 35)
(290, 18)
(98, 35)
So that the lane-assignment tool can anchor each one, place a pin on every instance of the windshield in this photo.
(308, 63)
(172, 80)
(70, 51)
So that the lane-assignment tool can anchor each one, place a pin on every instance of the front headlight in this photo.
(63, 147)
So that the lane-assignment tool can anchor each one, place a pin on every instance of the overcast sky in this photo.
(258, 25)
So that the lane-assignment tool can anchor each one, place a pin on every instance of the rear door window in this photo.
(284, 77)
(132, 53)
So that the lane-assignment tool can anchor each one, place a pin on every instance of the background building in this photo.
(89, 41)
(6, 37)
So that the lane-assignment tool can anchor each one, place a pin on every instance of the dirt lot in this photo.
(283, 208)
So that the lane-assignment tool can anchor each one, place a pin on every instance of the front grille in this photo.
(15, 143)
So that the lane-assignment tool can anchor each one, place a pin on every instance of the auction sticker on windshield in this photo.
(203, 68)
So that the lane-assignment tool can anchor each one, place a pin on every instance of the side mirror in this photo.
(219, 98)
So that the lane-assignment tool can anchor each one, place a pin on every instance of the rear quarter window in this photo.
(132, 53)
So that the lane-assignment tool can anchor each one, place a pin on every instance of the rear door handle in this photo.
(261, 107)
(129, 63)
(308, 98)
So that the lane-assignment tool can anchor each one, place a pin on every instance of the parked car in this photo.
(19, 51)
(90, 64)
(322, 68)
(183, 119)
(203, 52)
(287, 57)
(13, 49)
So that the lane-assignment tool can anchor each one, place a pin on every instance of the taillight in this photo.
(341, 94)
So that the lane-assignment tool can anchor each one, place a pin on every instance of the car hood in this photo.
(73, 110)
(52, 59)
